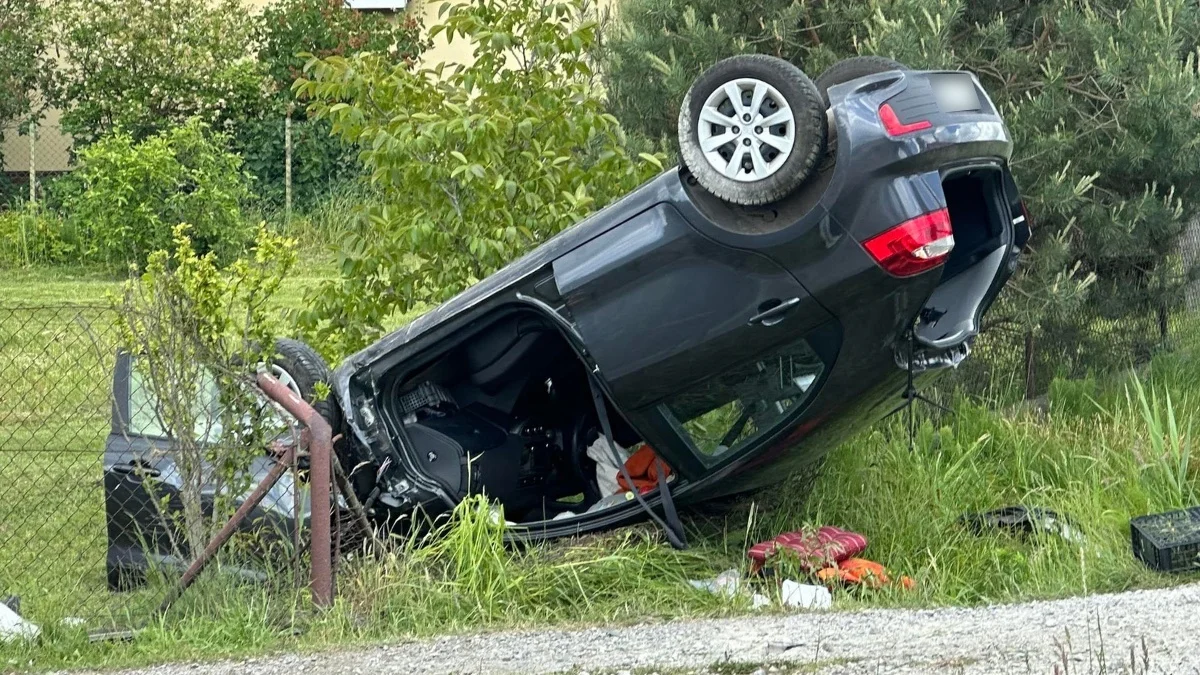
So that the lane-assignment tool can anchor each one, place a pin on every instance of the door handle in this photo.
(774, 312)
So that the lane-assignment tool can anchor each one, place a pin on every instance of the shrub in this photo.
(476, 164)
(193, 326)
(32, 236)
(287, 29)
(290, 28)
(129, 195)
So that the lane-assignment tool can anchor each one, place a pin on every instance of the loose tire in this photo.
(751, 129)
(852, 69)
(299, 367)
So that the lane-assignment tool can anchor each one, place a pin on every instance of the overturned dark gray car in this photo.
(821, 246)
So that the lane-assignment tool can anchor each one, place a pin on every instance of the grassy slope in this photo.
(1097, 453)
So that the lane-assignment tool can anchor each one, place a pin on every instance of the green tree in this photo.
(476, 163)
(1102, 98)
(127, 196)
(284, 33)
(23, 26)
(143, 67)
(290, 29)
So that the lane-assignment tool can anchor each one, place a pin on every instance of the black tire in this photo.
(853, 68)
(306, 368)
(797, 91)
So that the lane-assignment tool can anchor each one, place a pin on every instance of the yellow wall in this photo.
(52, 153)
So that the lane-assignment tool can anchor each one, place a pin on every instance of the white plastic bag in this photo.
(805, 596)
(606, 466)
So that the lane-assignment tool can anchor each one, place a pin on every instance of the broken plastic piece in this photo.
(805, 596)
(13, 627)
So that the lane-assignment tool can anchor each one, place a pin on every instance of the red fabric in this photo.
(816, 550)
(643, 469)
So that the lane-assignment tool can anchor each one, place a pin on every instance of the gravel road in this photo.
(1061, 636)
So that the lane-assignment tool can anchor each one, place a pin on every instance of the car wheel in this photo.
(299, 368)
(751, 129)
(852, 69)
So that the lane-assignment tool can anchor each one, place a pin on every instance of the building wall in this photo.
(53, 147)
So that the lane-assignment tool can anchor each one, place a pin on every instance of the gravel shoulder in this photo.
(1154, 629)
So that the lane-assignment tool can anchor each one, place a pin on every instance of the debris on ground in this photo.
(1023, 520)
(727, 583)
(825, 547)
(860, 571)
(805, 596)
(12, 626)
(1168, 542)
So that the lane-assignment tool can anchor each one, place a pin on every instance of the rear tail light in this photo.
(893, 125)
(913, 246)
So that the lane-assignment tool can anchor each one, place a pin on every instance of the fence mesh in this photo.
(92, 523)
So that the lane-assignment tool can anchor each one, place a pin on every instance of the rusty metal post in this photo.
(281, 465)
(320, 450)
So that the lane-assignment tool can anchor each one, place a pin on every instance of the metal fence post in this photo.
(287, 166)
(320, 449)
(32, 160)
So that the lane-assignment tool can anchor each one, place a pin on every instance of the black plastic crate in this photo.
(1168, 542)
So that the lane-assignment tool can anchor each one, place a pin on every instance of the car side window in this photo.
(725, 413)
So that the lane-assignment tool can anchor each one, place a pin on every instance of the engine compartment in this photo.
(506, 411)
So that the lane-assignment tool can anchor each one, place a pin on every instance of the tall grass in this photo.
(324, 224)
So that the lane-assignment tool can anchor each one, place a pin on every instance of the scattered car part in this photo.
(1168, 542)
(1023, 520)
(752, 128)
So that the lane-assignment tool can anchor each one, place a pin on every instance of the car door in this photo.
(677, 323)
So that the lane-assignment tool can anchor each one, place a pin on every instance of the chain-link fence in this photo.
(32, 156)
(102, 512)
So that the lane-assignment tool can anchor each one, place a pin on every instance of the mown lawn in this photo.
(1098, 450)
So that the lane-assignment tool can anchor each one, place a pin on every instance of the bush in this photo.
(32, 236)
(322, 28)
(193, 326)
(129, 195)
(476, 164)
(287, 29)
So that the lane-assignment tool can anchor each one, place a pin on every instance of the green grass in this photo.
(1100, 450)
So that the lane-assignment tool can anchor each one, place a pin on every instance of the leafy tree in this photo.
(476, 163)
(285, 31)
(142, 67)
(1101, 98)
(289, 29)
(127, 196)
(22, 57)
